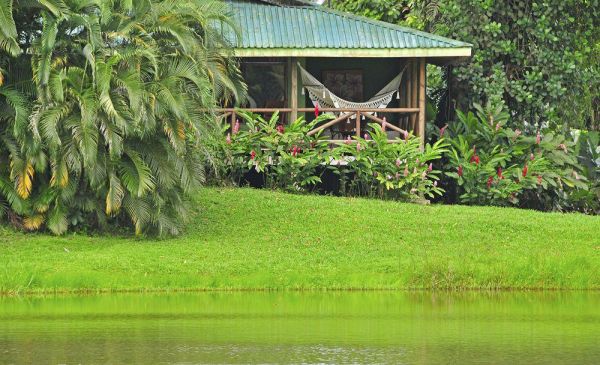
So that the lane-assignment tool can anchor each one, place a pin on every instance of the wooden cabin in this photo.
(353, 57)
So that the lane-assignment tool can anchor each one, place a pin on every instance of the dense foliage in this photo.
(494, 164)
(539, 58)
(292, 160)
(103, 114)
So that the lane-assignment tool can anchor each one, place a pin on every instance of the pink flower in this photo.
(406, 171)
(384, 124)
(525, 170)
(252, 155)
(366, 136)
(443, 130)
(575, 175)
(460, 171)
(539, 179)
(538, 138)
(397, 175)
(398, 162)
(517, 133)
(358, 146)
(490, 181)
(348, 140)
(295, 151)
(236, 126)
(280, 128)
(498, 126)
(430, 168)
(563, 147)
(228, 138)
(532, 157)
(435, 184)
(499, 173)
(418, 161)
(406, 135)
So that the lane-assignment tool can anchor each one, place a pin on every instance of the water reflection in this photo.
(304, 328)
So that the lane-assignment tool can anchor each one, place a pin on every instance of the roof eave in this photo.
(355, 52)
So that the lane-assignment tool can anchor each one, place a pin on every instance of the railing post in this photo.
(358, 124)
(232, 121)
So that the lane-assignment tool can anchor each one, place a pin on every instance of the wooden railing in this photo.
(344, 115)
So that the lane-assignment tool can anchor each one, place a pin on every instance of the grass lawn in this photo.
(257, 239)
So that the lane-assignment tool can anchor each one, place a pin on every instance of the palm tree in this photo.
(122, 90)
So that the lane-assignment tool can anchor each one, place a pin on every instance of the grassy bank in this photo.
(253, 239)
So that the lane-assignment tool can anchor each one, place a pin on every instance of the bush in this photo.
(374, 167)
(496, 165)
(293, 161)
(287, 155)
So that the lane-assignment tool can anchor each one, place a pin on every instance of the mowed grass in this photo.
(258, 239)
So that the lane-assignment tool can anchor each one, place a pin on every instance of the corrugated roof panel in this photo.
(264, 25)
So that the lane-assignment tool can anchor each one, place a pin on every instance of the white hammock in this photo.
(324, 98)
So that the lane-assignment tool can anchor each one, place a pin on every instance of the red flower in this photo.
(280, 128)
(490, 181)
(252, 155)
(499, 173)
(443, 130)
(525, 169)
(316, 110)
(460, 171)
(475, 159)
(236, 126)
(295, 151)
(228, 138)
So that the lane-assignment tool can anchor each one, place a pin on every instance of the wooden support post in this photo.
(293, 92)
(414, 103)
(422, 100)
(408, 91)
(232, 120)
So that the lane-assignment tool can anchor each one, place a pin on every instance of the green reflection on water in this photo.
(291, 328)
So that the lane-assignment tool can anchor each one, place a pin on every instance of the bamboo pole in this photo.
(381, 121)
(422, 101)
(415, 93)
(293, 72)
(330, 123)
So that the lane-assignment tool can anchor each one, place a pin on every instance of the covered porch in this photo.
(354, 58)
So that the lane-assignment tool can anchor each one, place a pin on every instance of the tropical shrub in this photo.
(374, 167)
(287, 155)
(494, 164)
(120, 94)
(588, 150)
(292, 160)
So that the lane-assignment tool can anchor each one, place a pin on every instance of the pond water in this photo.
(303, 328)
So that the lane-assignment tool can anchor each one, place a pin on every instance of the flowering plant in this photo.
(286, 155)
(494, 164)
(372, 166)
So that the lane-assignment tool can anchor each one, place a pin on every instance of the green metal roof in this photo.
(268, 29)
